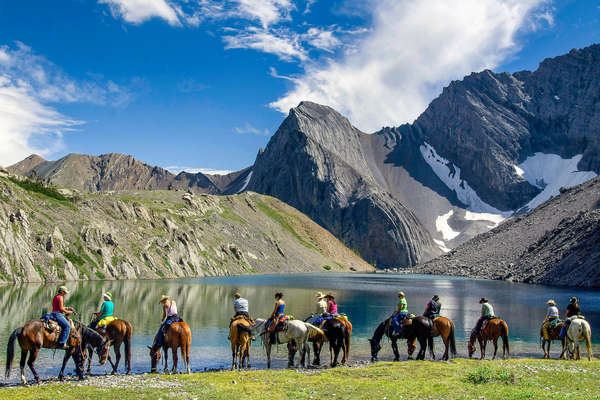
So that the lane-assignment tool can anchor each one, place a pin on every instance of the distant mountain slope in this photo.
(557, 243)
(153, 234)
(118, 172)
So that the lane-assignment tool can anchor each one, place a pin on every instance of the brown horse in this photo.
(491, 330)
(32, 337)
(116, 332)
(445, 328)
(553, 334)
(178, 335)
(240, 332)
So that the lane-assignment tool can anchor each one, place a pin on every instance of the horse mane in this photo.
(88, 335)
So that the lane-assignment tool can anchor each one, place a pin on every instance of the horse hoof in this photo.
(396, 359)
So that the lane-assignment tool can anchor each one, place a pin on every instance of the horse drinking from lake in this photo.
(117, 332)
(491, 330)
(178, 335)
(89, 339)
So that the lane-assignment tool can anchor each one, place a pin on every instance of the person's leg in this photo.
(65, 328)
(478, 324)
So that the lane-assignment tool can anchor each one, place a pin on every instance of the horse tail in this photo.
(128, 335)
(10, 350)
(314, 332)
(587, 335)
(452, 339)
(505, 345)
(347, 338)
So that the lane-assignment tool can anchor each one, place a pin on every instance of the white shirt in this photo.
(240, 305)
(321, 306)
(552, 311)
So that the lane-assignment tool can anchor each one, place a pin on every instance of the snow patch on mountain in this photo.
(450, 175)
(494, 218)
(442, 226)
(246, 182)
(550, 172)
(442, 245)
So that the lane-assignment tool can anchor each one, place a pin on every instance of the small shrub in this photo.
(100, 275)
(327, 267)
(483, 375)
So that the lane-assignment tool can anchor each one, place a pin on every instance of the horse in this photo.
(553, 334)
(579, 330)
(336, 333)
(178, 335)
(491, 330)
(32, 337)
(89, 338)
(117, 332)
(445, 328)
(418, 328)
(296, 334)
(240, 333)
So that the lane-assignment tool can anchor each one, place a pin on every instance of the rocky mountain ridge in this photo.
(49, 234)
(557, 243)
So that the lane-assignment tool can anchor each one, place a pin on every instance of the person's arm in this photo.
(275, 309)
(62, 308)
(164, 312)
(482, 310)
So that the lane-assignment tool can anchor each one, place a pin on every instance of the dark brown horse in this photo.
(336, 333)
(178, 335)
(32, 337)
(553, 334)
(117, 332)
(419, 328)
(491, 330)
(89, 339)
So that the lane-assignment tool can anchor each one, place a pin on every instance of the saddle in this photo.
(105, 321)
(52, 326)
(486, 322)
(238, 317)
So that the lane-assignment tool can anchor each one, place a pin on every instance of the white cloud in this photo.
(284, 44)
(266, 11)
(413, 48)
(249, 129)
(176, 169)
(139, 11)
(28, 83)
(26, 125)
(322, 39)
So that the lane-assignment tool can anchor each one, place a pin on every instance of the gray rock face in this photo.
(555, 244)
(316, 162)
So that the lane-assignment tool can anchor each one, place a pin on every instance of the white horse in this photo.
(579, 330)
(296, 334)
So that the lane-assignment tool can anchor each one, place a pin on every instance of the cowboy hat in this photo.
(108, 295)
(63, 289)
(435, 298)
(551, 302)
(164, 298)
(573, 299)
(320, 295)
(483, 300)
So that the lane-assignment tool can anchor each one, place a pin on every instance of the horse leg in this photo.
(233, 354)
(175, 359)
(303, 355)
(395, 349)
(482, 344)
(166, 351)
(117, 349)
(430, 344)
(495, 341)
(268, 351)
(336, 351)
(317, 352)
(33, 354)
(22, 365)
(292, 348)
(64, 364)
(422, 349)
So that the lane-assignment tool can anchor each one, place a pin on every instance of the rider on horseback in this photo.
(432, 311)
(487, 313)
(573, 311)
(169, 315)
(551, 318)
(240, 306)
(60, 314)
(331, 306)
(105, 314)
(276, 315)
(320, 310)
(400, 314)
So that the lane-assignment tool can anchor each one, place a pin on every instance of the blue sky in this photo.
(204, 83)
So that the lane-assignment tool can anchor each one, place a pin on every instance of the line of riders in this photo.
(57, 330)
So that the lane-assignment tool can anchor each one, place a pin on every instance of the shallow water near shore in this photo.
(206, 305)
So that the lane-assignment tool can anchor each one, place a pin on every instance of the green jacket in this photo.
(403, 305)
(487, 310)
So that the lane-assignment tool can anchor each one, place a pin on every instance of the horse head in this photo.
(471, 344)
(102, 350)
(155, 356)
(375, 347)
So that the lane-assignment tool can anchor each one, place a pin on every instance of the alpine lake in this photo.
(206, 304)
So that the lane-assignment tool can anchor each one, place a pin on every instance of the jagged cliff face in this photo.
(555, 244)
(155, 234)
(316, 162)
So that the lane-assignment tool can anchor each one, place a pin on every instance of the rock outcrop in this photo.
(45, 236)
(556, 244)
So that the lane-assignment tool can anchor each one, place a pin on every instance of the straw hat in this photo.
(551, 302)
(320, 295)
(63, 289)
(400, 294)
(108, 295)
(164, 298)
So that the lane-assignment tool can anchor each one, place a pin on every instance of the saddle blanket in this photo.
(105, 321)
